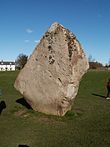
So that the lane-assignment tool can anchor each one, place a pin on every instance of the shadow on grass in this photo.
(102, 96)
(23, 102)
(23, 146)
(2, 106)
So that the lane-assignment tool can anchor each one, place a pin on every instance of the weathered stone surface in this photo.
(50, 79)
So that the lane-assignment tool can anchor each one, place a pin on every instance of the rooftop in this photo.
(7, 63)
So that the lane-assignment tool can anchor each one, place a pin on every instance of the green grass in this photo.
(86, 125)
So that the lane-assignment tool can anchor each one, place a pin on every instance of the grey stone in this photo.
(50, 79)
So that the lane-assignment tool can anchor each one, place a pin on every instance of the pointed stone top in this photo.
(56, 25)
(53, 27)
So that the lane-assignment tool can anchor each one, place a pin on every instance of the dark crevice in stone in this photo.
(50, 57)
(51, 61)
(59, 80)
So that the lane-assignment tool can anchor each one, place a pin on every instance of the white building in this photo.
(7, 66)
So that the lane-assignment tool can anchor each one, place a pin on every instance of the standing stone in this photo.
(49, 81)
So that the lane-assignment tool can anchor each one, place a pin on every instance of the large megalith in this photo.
(49, 81)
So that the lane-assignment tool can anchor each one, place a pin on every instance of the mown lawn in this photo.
(86, 125)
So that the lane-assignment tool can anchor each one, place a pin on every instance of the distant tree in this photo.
(90, 59)
(109, 62)
(95, 65)
(21, 61)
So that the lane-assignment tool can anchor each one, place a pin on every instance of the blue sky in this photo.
(23, 22)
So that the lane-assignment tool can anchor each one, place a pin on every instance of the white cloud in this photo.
(26, 41)
(29, 31)
(36, 41)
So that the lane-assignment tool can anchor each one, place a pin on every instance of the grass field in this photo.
(86, 125)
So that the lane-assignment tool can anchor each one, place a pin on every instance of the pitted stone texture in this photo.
(50, 79)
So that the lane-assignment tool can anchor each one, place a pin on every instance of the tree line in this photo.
(22, 60)
(93, 64)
